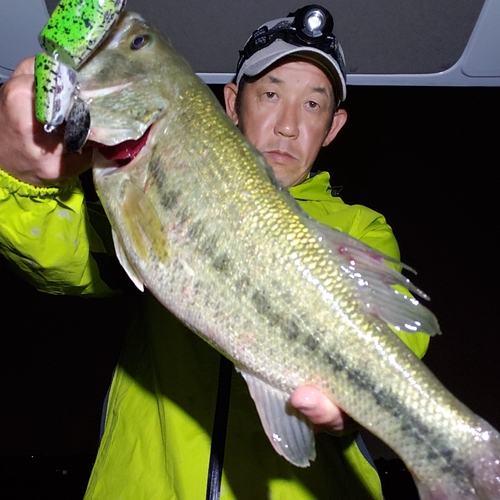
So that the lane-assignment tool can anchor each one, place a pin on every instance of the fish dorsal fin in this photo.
(289, 432)
(125, 262)
(382, 289)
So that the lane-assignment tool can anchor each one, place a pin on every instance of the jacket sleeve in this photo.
(46, 237)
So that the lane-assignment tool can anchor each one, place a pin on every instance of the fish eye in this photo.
(139, 42)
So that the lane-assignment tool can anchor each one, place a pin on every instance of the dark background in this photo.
(426, 158)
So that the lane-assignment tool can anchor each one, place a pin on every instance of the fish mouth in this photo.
(123, 153)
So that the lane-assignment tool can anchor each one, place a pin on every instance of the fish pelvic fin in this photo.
(125, 262)
(289, 432)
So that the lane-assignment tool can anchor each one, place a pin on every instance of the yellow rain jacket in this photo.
(156, 441)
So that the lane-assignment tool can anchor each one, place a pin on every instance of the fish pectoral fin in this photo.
(125, 262)
(290, 433)
(142, 230)
(142, 227)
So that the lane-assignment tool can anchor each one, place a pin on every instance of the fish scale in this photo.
(201, 222)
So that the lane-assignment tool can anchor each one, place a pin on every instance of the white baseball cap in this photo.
(300, 34)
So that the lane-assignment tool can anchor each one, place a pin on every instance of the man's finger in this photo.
(25, 67)
(318, 408)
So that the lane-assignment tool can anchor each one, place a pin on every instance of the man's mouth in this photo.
(279, 156)
(124, 152)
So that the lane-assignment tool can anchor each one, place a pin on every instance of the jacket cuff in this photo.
(14, 186)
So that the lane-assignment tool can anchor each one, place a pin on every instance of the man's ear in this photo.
(339, 119)
(230, 93)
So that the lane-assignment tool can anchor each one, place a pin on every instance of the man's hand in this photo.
(320, 410)
(27, 152)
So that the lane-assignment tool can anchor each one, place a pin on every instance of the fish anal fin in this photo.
(290, 433)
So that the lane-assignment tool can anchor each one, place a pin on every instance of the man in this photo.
(159, 417)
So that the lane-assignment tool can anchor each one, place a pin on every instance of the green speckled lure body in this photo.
(73, 32)
(77, 27)
(55, 86)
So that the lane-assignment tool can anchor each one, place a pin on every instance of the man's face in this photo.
(286, 114)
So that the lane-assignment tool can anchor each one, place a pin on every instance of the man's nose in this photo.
(287, 122)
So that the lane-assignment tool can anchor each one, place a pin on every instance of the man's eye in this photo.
(271, 95)
(312, 105)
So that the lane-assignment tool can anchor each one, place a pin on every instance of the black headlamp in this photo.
(312, 26)
(312, 23)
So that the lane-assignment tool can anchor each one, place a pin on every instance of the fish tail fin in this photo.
(481, 480)
(487, 466)
(426, 492)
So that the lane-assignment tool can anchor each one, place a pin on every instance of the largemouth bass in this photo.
(200, 220)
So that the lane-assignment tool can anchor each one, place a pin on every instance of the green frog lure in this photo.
(73, 32)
